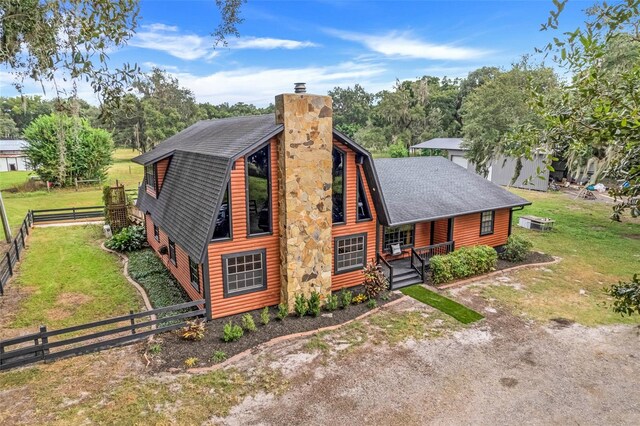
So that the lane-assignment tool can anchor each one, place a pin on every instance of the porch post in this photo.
(450, 233)
(433, 230)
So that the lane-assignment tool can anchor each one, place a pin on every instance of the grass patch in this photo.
(12, 179)
(595, 251)
(70, 280)
(153, 276)
(448, 306)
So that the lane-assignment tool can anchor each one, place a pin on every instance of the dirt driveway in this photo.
(503, 370)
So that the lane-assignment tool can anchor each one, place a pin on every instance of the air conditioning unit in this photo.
(536, 223)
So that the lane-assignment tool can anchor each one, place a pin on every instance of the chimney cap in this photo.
(300, 87)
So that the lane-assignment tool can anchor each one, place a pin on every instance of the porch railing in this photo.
(387, 269)
(426, 253)
(417, 263)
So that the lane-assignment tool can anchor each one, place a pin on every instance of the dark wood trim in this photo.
(450, 223)
(432, 232)
(335, 253)
(206, 287)
(171, 245)
(195, 285)
(269, 190)
(510, 221)
(225, 288)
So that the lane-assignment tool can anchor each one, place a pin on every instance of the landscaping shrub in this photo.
(131, 238)
(374, 280)
(301, 307)
(232, 332)
(162, 289)
(371, 304)
(465, 262)
(283, 311)
(314, 303)
(248, 323)
(264, 316)
(346, 297)
(516, 249)
(218, 356)
(332, 302)
(359, 299)
(194, 330)
(191, 362)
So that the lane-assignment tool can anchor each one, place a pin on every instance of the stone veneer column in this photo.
(304, 185)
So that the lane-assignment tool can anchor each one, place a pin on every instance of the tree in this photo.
(351, 108)
(87, 151)
(8, 128)
(494, 111)
(597, 115)
(626, 296)
(398, 150)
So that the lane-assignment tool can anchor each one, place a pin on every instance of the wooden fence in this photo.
(9, 260)
(67, 214)
(47, 345)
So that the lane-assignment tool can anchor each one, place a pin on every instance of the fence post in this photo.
(15, 243)
(22, 236)
(1, 351)
(25, 223)
(1, 294)
(74, 213)
(9, 263)
(45, 341)
(133, 322)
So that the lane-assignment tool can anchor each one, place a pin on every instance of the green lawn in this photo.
(70, 280)
(12, 179)
(17, 205)
(596, 252)
(448, 306)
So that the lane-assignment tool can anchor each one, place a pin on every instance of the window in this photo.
(223, 220)
(363, 205)
(150, 175)
(156, 232)
(402, 235)
(172, 252)
(194, 274)
(337, 186)
(244, 272)
(486, 222)
(259, 191)
(350, 253)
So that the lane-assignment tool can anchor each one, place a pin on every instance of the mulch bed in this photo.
(174, 350)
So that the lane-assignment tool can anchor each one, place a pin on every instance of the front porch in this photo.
(412, 269)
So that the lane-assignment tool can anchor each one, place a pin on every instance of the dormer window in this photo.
(150, 176)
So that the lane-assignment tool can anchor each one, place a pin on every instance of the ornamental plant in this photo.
(301, 306)
(346, 297)
(232, 332)
(332, 302)
(465, 262)
(283, 311)
(359, 299)
(248, 323)
(264, 316)
(314, 304)
(375, 281)
(131, 238)
(516, 249)
(194, 330)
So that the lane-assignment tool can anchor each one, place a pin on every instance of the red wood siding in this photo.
(181, 270)
(440, 231)
(222, 306)
(161, 170)
(351, 226)
(466, 230)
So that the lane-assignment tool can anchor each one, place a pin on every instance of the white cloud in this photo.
(405, 45)
(260, 85)
(167, 39)
(268, 43)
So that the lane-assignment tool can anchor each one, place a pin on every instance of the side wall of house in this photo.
(352, 226)
(441, 231)
(466, 230)
(241, 242)
(181, 269)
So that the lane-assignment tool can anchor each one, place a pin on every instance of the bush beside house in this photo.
(462, 263)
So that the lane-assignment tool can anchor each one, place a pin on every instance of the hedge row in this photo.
(462, 263)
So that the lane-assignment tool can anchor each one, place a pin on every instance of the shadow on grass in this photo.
(448, 306)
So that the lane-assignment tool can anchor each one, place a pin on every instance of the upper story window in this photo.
(338, 187)
(259, 191)
(150, 176)
(172, 253)
(402, 235)
(222, 229)
(362, 204)
(194, 274)
(486, 222)
(156, 232)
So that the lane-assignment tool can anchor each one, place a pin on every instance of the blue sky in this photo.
(328, 43)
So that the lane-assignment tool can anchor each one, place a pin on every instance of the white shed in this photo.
(12, 155)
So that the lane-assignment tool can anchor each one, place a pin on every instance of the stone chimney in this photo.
(304, 180)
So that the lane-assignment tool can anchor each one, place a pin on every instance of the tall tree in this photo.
(597, 115)
(351, 108)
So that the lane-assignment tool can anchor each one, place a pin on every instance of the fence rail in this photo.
(71, 213)
(12, 256)
(47, 345)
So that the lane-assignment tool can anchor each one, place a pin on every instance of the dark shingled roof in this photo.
(420, 189)
(224, 137)
(441, 143)
(194, 185)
